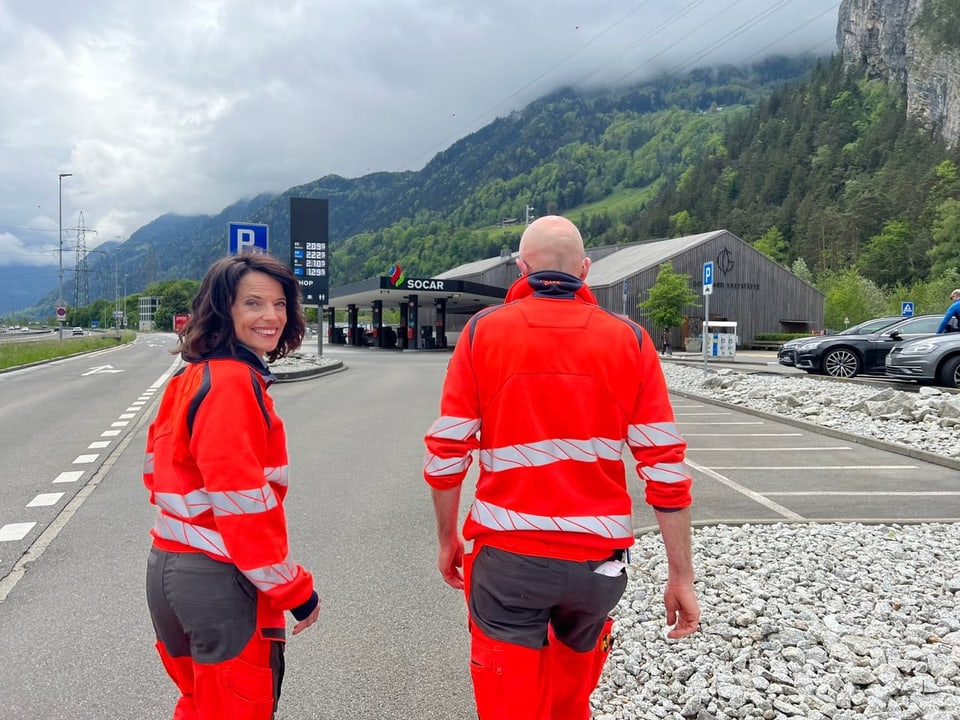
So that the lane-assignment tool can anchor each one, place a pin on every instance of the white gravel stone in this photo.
(817, 621)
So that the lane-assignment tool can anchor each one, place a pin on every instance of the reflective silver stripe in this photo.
(209, 541)
(498, 518)
(666, 472)
(279, 475)
(454, 428)
(271, 576)
(546, 452)
(184, 506)
(439, 467)
(148, 463)
(243, 502)
(231, 502)
(655, 435)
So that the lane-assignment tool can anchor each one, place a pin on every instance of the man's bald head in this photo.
(553, 243)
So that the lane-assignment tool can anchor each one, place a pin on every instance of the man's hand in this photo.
(450, 562)
(683, 611)
(308, 621)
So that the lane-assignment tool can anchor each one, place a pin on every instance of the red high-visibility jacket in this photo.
(216, 467)
(549, 387)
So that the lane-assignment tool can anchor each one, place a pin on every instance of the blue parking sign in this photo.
(906, 309)
(247, 237)
(708, 277)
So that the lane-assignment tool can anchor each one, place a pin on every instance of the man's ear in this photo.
(521, 265)
(585, 268)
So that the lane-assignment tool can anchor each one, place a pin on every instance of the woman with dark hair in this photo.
(220, 575)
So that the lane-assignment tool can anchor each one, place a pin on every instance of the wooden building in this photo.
(760, 295)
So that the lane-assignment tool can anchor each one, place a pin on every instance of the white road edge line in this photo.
(33, 553)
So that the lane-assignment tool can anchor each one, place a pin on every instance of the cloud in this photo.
(188, 105)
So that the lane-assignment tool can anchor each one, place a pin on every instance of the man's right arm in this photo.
(679, 596)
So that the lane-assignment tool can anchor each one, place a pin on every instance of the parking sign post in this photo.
(707, 292)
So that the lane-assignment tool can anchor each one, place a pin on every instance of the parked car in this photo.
(77, 331)
(786, 353)
(846, 356)
(933, 359)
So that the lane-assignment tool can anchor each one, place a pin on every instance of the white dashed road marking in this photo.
(83, 459)
(45, 499)
(15, 531)
(68, 477)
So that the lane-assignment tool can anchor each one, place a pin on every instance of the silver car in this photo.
(934, 359)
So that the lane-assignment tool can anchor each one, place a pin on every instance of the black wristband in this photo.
(302, 612)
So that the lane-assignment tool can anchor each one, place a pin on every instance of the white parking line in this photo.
(816, 467)
(769, 449)
(122, 423)
(921, 493)
(110, 433)
(15, 531)
(82, 459)
(755, 496)
(98, 445)
(744, 422)
(68, 477)
(45, 499)
(127, 416)
(791, 434)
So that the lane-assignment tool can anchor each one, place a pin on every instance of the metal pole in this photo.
(706, 326)
(319, 331)
(60, 178)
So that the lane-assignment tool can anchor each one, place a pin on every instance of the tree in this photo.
(946, 237)
(850, 298)
(670, 294)
(887, 259)
(773, 245)
(800, 269)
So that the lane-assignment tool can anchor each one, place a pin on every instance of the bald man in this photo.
(951, 319)
(549, 387)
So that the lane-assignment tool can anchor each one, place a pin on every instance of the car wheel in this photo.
(950, 373)
(841, 363)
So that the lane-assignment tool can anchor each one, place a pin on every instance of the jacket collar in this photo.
(244, 355)
(550, 284)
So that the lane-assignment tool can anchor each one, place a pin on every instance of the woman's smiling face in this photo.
(259, 312)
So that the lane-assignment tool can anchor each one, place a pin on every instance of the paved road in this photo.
(391, 642)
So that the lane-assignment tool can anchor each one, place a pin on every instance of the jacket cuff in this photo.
(302, 612)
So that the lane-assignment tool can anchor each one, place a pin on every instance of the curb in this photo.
(307, 373)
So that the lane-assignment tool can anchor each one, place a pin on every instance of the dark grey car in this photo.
(934, 359)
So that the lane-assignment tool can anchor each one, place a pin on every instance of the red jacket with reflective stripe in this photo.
(216, 467)
(548, 388)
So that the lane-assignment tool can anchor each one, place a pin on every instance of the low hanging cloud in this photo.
(189, 105)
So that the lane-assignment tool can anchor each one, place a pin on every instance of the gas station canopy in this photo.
(462, 296)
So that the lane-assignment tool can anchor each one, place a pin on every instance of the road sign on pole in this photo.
(906, 309)
(247, 237)
(708, 277)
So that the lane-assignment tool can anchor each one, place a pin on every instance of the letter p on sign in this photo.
(247, 237)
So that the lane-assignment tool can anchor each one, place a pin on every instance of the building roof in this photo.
(632, 259)
(477, 266)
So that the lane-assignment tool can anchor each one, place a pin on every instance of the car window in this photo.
(918, 326)
(871, 326)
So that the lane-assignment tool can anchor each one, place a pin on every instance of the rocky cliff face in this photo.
(888, 39)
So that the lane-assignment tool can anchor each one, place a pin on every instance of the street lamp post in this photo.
(60, 320)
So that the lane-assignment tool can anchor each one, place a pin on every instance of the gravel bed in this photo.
(810, 621)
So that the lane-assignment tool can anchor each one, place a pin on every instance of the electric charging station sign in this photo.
(708, 278)
(247, 237)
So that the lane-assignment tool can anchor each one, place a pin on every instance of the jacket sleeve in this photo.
(452, 439)
(653, 437)
(231, 446)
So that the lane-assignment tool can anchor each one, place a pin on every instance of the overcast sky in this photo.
(186, 106)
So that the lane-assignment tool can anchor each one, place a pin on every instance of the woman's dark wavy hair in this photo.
(210, 327)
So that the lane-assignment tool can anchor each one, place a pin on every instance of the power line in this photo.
(666, 23)
(445, 143)
(792, 32)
